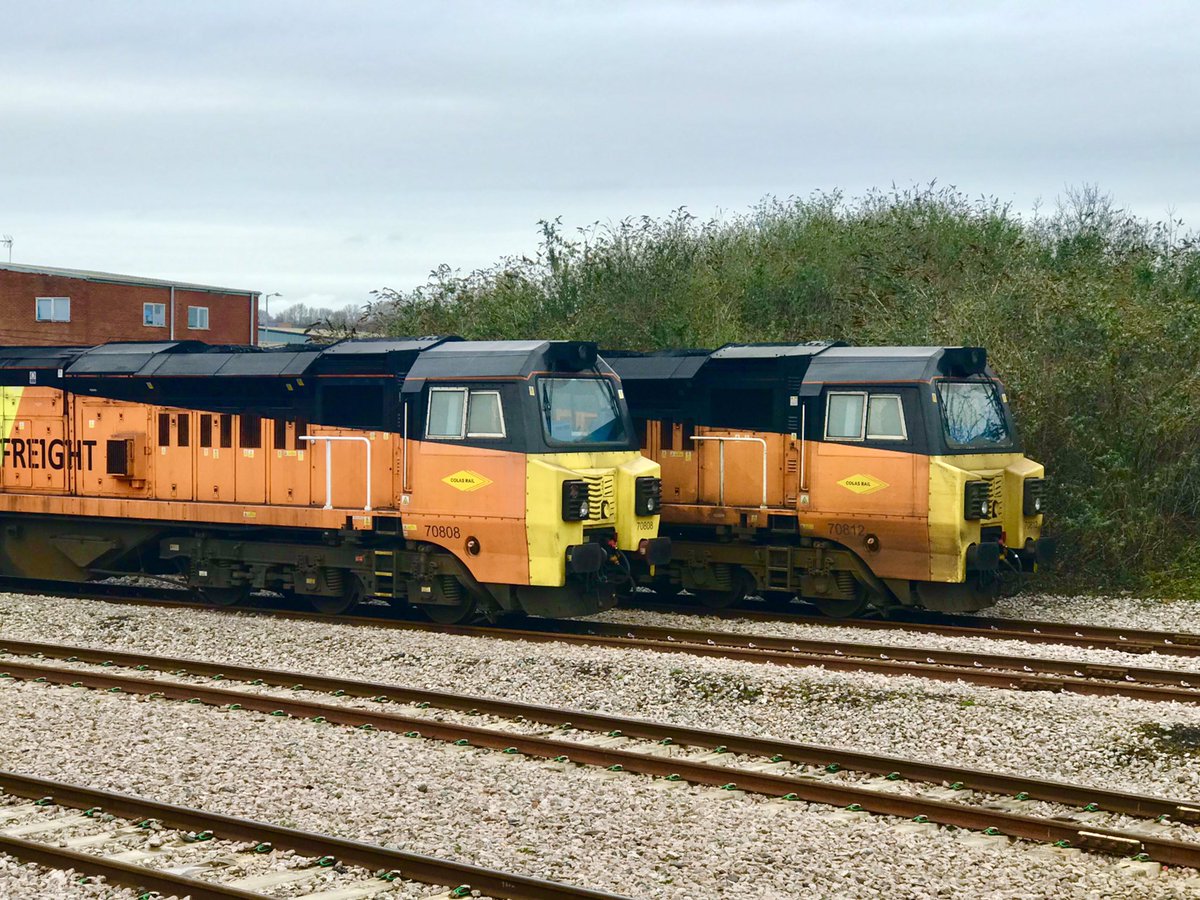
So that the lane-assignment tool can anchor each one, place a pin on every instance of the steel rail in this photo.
(1125, 640)
(1005, 661)
(131, 875)
(887, 661)
(770, 748)
(1171, 852)
(1028, 673)
(374, 858)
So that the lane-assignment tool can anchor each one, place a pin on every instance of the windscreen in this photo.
(973, 415)
(581, 411)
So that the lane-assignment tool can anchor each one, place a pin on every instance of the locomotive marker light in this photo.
(574, 500)
(975, 500)
(1032, 500)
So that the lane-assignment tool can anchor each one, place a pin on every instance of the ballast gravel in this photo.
(618, 832)
(1118, 611)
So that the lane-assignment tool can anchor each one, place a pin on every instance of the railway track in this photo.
(1005, 671)
(1125, 640)
(121, 837)
(777, 768)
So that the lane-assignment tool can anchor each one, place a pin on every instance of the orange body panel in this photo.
(180, 469)
(892, 507)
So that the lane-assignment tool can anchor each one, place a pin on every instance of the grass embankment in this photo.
(1090, 315)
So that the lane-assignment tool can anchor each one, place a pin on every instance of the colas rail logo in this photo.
(863, 484)
(466, 480)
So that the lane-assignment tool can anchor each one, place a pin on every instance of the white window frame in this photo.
(198, 309)
(862, 425)
(499, 408)
(54, 302)
(161, 307)
(903, 436)
(462, 425)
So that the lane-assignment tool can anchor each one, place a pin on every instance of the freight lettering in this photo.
(38, 453)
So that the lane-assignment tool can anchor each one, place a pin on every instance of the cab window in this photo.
(456, 413)
(857, 416)
(447, 413)
(485, 417)
(845, 416)
(885, 418)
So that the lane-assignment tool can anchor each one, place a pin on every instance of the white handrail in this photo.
(404, 455)
(329, 439)
(721, 440)
(803, 451)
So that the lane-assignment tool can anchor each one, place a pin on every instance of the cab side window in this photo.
(485, 415)
(447, 413)
(845, 416)
(458, 413)
(885, 418)
(858, 416)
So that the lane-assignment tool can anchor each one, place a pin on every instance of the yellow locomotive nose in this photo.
(581, 498)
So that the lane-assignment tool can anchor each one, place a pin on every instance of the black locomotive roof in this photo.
(818, 362)
(420, 357)
(350, 382)
(679, 382)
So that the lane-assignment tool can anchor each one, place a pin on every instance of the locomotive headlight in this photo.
(574, 501)
(976, 503)
(1034, 492)
(647, 496)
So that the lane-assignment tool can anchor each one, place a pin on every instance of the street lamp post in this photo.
(267, 303)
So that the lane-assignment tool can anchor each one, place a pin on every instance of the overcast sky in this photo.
(325, 149)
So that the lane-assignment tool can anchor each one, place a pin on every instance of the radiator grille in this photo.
(996, 495)
(602, 497)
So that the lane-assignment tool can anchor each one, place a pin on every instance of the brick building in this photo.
(44, 305)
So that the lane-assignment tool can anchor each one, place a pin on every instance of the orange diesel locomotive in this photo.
(850, 476)
(460, 477)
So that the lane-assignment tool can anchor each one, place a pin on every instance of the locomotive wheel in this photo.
(842, 607)
(230, 596)
(455, 614)
(741, 585)
(352, 594)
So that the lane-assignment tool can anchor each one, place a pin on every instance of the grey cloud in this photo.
(233, 141)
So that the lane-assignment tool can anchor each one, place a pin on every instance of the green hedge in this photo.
(1090, 315)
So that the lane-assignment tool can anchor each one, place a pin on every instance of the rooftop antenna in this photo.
(7, 241)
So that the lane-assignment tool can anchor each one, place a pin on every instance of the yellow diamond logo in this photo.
(863, 484)
(466, 480)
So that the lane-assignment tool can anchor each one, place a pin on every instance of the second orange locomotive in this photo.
(850, 476)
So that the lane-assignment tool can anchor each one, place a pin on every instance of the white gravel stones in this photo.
(619, 832)
(1119, 611)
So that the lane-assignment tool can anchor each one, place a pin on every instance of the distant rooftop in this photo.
(111, 278)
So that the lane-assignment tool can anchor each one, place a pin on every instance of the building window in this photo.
(198, 317)
(154, 315)
(53, 309)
